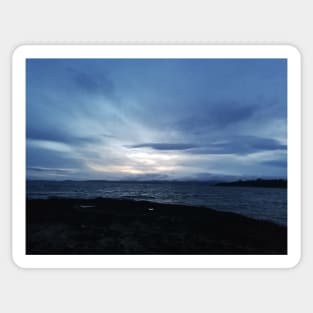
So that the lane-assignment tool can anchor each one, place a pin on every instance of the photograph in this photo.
(156, 156)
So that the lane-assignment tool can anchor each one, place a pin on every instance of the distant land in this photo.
(223, 180)
(268, 183)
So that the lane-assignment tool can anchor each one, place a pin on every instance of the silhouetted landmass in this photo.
(270, 183)
(111, 226)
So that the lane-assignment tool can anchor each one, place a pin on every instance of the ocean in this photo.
(259, 203)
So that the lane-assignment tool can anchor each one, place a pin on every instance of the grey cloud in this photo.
(231, 145)
(226, 117)
(231, 112)
(92, 83)
(240, 145)
(165, 146)
(62, 136)
(216, 115)
(57, 171)
(275, 163)
(40, 157)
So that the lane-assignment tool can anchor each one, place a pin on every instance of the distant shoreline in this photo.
(112, 226)
(265, 183)
(210, 182)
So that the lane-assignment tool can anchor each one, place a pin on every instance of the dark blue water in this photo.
(260, 203)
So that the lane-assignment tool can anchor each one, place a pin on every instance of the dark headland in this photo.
(112, 226)
(265, 183)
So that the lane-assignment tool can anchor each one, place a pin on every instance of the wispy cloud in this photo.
(92, 82)
(241, 145)
(232, 145)
(275, 163)
(56, 171)
(164, 146)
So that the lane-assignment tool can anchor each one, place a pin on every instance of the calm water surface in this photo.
(260, 203)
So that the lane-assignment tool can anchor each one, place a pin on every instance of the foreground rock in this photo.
(110, 226)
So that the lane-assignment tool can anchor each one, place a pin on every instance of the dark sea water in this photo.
(260, 203)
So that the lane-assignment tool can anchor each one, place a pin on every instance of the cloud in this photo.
(262, 143)
(63, 136)
(57, 171)
(241, 145)
(228, 117)
(224, 113)
(275, 163)
(164, 146)
(219, 113)
(93, 82)
(226, 145)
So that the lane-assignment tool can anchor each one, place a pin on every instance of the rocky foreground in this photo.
(111, 226)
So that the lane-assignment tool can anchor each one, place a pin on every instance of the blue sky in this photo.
(156, 118)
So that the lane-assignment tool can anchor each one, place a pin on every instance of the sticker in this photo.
(156, 156)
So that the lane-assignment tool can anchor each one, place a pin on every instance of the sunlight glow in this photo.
(114, 169)
(152, 156)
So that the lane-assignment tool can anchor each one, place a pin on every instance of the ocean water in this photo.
(260, 203)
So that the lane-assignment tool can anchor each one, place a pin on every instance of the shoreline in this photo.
(120, 226)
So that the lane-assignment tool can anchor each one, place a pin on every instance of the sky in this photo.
(156, 119)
